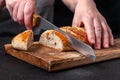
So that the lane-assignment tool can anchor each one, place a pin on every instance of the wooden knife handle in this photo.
(36, 20)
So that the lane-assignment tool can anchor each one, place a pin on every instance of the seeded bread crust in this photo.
(52, 38)
(77, 32)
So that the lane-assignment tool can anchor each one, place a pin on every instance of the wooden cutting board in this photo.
(52, 60)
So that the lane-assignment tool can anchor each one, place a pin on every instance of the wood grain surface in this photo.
(52, 60)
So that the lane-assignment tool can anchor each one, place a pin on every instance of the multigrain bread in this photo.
(56, 40)
(23, 40)
(77, 32)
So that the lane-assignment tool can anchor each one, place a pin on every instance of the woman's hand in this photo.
(98, 32)
(21, 11)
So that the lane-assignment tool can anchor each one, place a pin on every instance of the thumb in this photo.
(28, 28)
(76, 20)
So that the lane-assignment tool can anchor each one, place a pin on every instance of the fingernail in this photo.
(106, 45)
(112, 43)
(92, 41)
(15, 19)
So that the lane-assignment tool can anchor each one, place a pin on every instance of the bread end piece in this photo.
(23, 40)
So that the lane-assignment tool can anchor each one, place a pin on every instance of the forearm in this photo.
(71, 4)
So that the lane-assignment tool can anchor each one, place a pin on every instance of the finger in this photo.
(76, 20)
(28, 14)
(88, 24)
(98, 33)
(20, 15)
(105, 35)
(110, 36)
(15, 11)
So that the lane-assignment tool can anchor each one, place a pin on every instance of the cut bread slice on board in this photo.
(23, 40)
(56, 40)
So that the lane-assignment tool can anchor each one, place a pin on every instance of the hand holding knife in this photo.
(79, 46)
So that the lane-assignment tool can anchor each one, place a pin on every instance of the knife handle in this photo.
(36, 20)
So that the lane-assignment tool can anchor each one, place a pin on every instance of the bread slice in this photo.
(23, 40)
(56, 40)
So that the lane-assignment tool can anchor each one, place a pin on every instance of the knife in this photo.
(79, 46)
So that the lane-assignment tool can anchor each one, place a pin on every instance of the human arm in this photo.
(85, 12)
(21, 11)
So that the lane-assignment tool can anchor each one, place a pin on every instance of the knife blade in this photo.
(74, 43)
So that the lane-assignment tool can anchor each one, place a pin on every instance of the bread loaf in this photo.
(56, 40)
(23, 40)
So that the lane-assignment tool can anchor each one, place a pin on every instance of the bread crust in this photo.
(23, 40)
(76, 32)
(51, 41)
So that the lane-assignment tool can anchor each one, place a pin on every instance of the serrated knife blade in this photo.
(74, 43)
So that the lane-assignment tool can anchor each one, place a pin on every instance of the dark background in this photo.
(62, 15)
(14, 69)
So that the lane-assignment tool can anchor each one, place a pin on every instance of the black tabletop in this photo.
(15, 69)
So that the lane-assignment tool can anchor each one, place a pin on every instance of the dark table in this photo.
(15, 69)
